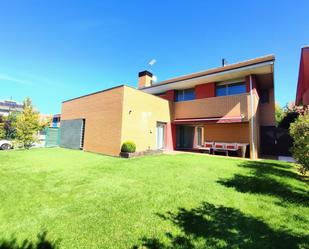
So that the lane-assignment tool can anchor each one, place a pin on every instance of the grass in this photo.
(57, 198)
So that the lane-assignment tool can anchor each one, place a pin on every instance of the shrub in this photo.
(299, 130)
(128, 146)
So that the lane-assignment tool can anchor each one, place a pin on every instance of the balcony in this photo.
(224, 106)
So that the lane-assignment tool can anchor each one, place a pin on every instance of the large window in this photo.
(184, 95)
(231, 89)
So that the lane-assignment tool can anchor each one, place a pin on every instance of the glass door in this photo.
(184, 137)
(160, 136)
(199, 136)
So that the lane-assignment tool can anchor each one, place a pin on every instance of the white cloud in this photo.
(5, 77)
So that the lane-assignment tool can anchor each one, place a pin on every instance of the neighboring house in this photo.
(302, 95)
(56, 118)
(53, 118)
(8, 106)
(225, 104)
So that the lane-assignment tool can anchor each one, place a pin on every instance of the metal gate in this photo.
(52, 137)
(72, 133)
(275, 141)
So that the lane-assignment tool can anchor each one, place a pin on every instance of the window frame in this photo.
(227, 85)
(181, 92)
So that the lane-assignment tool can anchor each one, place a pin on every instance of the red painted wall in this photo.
(169, 95)
(170, 142)
(205, 90)
(163, 96)
(302, 95)
(248, 83)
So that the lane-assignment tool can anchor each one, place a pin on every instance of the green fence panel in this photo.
(52, 137)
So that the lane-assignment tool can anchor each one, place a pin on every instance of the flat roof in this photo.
(89, 94)
(267, 58)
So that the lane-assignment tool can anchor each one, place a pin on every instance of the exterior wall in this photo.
(205, 90)
(302, 94)
(141, 112)
(267, 110)
(103, 119)
(254, 86)
(305, 98)
(238, 132)
(255, 126)
(234, 105)
(169, 95)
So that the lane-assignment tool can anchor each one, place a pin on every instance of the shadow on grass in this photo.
(41, 243)
(266, 186)
(272, 168)
(210, 226)
(261, 181)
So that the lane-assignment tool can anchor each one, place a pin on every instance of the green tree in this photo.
(279, 113)
(299, 130)
(10, 125)
(2, 131)
(27, 125)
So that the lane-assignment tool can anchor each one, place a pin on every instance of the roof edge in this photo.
(89, 94)
(237, 65)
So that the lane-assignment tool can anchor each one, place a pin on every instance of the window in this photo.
(264, 98)
(184, 95)
(199, 136)
(56, 119)
(231, 89)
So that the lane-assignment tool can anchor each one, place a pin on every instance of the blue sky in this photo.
(57, 50)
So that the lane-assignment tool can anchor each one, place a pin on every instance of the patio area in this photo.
(229, 139)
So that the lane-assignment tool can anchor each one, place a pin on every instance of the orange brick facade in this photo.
(103, 119)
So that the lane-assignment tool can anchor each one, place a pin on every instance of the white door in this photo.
(160, 136)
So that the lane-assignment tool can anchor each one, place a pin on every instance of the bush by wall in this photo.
(299, 130)
(128, 146)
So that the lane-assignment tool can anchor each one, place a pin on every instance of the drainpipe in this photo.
(252, 117)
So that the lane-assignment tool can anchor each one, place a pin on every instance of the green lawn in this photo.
(73, 199)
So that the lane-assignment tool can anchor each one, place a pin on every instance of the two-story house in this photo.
(226, 104)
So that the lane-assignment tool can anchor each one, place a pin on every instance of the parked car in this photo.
(6, 145)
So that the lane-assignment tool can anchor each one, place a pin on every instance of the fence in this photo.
(52, 137)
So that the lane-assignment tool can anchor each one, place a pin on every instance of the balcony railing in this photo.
(224, 106)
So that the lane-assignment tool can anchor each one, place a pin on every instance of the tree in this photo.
(299, 130)
(2, 131)
(27, 125)
(287, 115)
(279, 113)
(10, 126)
